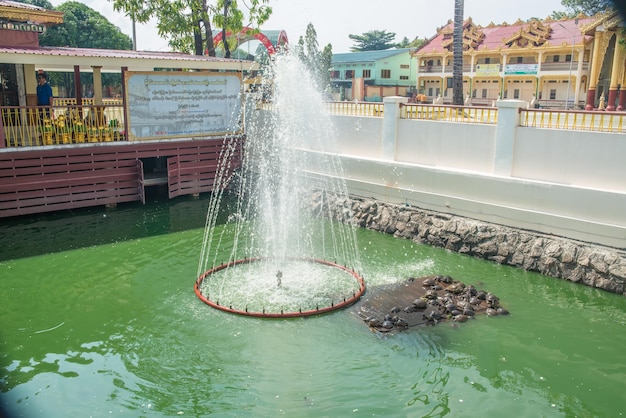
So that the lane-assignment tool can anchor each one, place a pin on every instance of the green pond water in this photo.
(99, 319)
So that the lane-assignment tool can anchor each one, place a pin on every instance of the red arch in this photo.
(244, 36)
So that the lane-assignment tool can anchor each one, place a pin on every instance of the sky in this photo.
(335, 20)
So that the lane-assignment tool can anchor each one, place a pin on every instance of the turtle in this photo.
(491, 312)
(401, 322)
(456, 288)
(409, 309)
(492, 300)
(395, 309)
(429, 281)
(431, 294)
(451, 307)
(502, 311)
(373, 322)
(470, 290)
(446, 279)
(434, 316)
(387, 324)
(482, 295)
(461, 318)
(474, 301)
(419, 304)
(469, 312)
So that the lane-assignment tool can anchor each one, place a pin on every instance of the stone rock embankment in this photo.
(558, 257)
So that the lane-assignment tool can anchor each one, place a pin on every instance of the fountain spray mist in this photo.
(284, 206)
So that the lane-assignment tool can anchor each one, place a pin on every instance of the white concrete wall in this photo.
(446, 145)
(360, 133)
(566, 183)
(578, 158)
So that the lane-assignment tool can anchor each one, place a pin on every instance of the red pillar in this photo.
(591, 98)
(611, 101)
(621, 105)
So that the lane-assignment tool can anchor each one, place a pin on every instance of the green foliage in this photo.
(415, 43)
(319, 63)
(374, 40)
(39, 3)
(84, 27)
(588, 7)
(188, 24)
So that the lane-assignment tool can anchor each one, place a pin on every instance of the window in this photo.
(552, 94)
(516, 93)
(568, 58)
(349, 74)
(404, 66)
(334, 74)
(404, 77)
(487, 60)
(520, 60)
(385, 73)
(367, 73)
(430, 91)
(555, 58)
(484, 94)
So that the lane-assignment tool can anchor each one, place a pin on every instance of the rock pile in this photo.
(425, 301)
(579, 262)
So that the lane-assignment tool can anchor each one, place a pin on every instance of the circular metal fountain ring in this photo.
(317, 311)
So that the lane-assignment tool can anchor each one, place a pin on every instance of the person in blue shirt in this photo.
(44, 94)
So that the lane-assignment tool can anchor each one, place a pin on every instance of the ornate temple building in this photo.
(571, 63)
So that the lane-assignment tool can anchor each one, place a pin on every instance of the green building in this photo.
(372, 75)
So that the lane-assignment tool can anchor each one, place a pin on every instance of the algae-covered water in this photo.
(99, 318)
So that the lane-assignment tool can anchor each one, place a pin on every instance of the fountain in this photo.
(288, 257)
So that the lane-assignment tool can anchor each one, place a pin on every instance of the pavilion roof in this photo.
(367, 56)
(111, 60)
(530, 34)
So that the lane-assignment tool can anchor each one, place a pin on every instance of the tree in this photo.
(415, 43)
(588, 7)
(457, 63)
(39, 3)
(84, 27)
(374, 40)
(319, 63)
(188, 24)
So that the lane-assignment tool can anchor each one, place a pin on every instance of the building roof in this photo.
(23, 12)
(367, 56)
(496, 38)
(111, 60)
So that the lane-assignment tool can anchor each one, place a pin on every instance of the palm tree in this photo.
(457, 64)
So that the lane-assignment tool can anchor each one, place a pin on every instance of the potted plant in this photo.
(79, 130)
(46, 131)
(63, 129)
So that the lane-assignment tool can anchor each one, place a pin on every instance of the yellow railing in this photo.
(70, 101)
(355, 108)
(30, 126)
(465, 114)
(574, 120)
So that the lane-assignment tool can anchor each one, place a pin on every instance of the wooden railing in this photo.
(30, 126)
(601, 121)
(448, 113)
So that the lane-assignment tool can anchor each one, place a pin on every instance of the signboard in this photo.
(513, 69)
(161, 105)
(488, 70)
